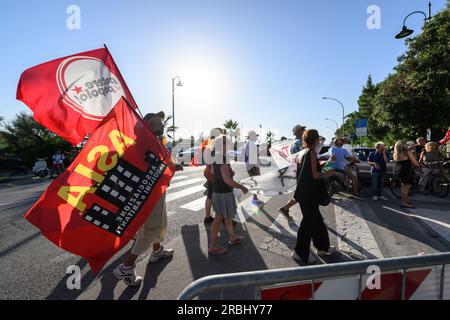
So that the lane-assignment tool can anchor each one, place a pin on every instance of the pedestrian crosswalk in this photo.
(189, 190)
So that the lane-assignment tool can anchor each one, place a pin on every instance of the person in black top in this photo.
(312, 225)
(223, 200)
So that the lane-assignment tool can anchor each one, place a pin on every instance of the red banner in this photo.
(70, 96)
(99, 203)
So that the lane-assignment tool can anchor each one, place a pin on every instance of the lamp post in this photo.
(179, 84)
(337, 126)
(343, 113)
(405, 30)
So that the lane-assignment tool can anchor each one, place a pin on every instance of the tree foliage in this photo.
(27, 139)
(416, 96)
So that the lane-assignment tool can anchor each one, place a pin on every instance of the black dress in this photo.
(312, 226)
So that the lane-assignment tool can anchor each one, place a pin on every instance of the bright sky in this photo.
(254, 61)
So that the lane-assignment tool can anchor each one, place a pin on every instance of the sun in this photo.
(204, 84)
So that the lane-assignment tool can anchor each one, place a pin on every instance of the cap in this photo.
(298, 127)
(149, 116)
(215, 132)
(252, 134)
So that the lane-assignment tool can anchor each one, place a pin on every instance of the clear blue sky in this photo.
(267, 62)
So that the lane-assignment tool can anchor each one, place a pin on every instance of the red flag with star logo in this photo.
(70, 96)
(98, 204)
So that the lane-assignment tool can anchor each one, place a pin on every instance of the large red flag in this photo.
(99, 203)
(70, 96)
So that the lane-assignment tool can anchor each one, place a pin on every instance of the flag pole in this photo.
(118, 70)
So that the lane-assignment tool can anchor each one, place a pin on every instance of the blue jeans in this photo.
(377, 183)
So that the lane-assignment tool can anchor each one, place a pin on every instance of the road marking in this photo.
(429, 217)
(183, 193)
(195, 205)
(176, 178)
(185, 183)
(17, 202)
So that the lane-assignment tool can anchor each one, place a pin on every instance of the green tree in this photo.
(416, 96)
(230, 126)
(28, 140)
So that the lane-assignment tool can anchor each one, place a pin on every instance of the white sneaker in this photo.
(383, 198)
(375, 198)
(127, 275)
(331, 250)
(161, 254)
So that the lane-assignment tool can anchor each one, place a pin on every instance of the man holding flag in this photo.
(118, 179)
(154, 228)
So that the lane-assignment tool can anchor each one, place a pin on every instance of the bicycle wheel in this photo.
(396, 187)
(440, 186)
(330, 186)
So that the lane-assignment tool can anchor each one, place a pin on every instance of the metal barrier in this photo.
(312, 273)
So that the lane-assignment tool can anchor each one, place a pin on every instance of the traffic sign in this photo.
(361, 127)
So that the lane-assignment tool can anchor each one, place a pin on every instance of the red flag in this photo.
(99, 203)
(446, 138)
(70, 96)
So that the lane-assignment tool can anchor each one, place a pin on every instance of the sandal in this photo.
(407, 206)
(236, 241)
(217, 251)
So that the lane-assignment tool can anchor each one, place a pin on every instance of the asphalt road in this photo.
(33, 268)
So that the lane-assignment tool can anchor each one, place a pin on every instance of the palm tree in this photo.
(169, 128)
(230, 126)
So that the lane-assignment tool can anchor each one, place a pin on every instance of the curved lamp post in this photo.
(406, 32)
(343, 113)
(337, 126)
(179, 84)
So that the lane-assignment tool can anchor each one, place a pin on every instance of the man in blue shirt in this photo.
(341, 156)
(378, 161)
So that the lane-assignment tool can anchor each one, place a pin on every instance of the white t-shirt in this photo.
(251, 155)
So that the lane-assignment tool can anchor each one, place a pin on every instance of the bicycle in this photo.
(437, 183)
(341, 181)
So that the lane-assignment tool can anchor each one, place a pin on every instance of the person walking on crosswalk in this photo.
(154, 229)
(207, 154)
(296, 147)
(252, 164)
(307, 194)
(223, 200)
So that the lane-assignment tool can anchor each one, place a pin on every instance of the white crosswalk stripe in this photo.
(171, 196)
(195, 205)
(185, 183)
(177, 178)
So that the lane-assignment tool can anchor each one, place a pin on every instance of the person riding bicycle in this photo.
(58, 161)
(341, 156)
(429, 155)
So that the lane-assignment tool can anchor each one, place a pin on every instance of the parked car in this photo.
(362, 154)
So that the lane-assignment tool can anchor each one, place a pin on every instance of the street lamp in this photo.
(179, 84)
(343, 113)
(337, 126)
(407, 32)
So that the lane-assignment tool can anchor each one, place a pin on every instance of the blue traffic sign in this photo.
(361, 123)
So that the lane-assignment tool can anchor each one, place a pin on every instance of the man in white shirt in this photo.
(252, 163)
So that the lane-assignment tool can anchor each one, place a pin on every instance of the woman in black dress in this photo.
(406, 162)
(306, 194)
